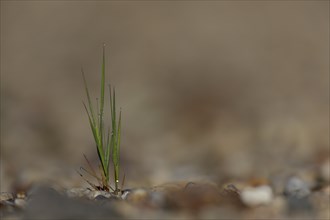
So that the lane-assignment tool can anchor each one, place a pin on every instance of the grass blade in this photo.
(123, 181)
(107, 150)
(96, 139)
(88, 98)
(116, 152)
(101, 121)
(93, 123)
(93, 173)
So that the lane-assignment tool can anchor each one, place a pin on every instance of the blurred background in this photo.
(209, 90)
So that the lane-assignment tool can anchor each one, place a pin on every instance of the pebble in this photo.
(144, 197)
(7, 200)
(21, 203)
(125, 193)
(297, 192)
(6, 196)
(137, 196)
(256, 196)
(21, 195)
(97, 193)
(296, 187)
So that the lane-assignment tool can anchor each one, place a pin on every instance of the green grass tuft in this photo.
(107, 142)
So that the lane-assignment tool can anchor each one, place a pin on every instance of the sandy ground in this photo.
(209, 90)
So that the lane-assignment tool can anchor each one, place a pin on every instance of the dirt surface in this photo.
(230, 93)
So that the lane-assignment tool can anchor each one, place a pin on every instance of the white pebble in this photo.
(96, 193)
(20, 203)
(125, 193)
(255, 196)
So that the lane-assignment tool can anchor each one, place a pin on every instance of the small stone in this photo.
(6, 196)
(125, 193)
(97, 193)
(255, 196)
(21, 203)
(298, 193)
(20, 195)
(137, 196)
(296, 187)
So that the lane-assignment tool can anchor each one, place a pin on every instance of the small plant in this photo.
(107, 142)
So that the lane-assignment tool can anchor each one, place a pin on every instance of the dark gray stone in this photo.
(46, 203)
(297, 193)
(296, 187)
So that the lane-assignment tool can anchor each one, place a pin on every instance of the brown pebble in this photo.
(5, 196)
(21, 195)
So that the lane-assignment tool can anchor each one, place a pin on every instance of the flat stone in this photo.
(46, 203)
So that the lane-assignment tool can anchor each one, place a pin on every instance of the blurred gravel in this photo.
(199, 200)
